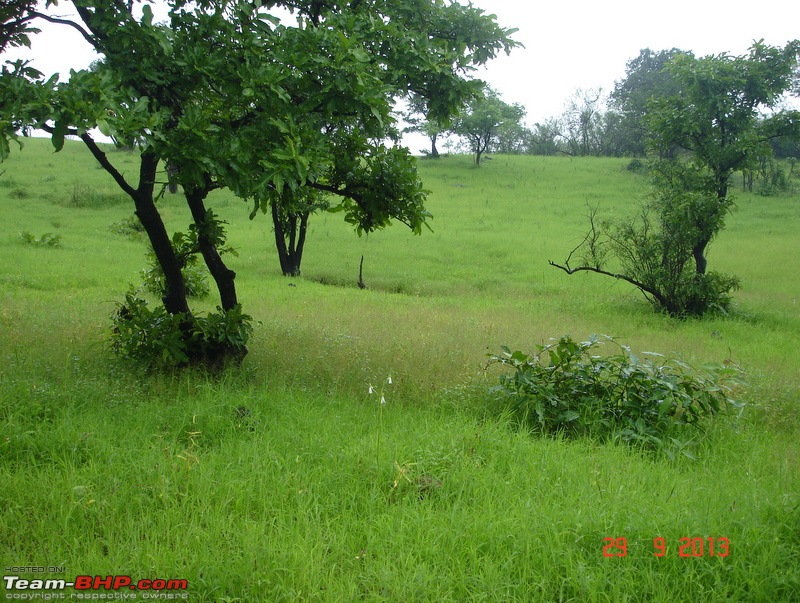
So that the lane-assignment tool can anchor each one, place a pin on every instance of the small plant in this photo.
(380, 392)
(48, 239)
(565, 388)
(194, 277)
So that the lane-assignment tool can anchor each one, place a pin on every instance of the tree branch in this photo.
(641, 286)
(102, 159)
(344, 192)
(591, 239)
(86, 35)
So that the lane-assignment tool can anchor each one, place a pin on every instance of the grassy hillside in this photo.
(284, 480)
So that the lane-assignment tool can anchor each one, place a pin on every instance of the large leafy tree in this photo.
(646, 77)
(228, 95)
(721, 119)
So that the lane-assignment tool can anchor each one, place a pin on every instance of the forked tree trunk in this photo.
(290, 238)
(175, 301)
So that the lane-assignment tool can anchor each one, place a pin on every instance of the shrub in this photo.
(84, 196)
(157, 338)
(565, 388)
(48, 239)
(636, 165)
(130, 227)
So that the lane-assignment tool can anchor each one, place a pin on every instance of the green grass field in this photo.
(284, 480)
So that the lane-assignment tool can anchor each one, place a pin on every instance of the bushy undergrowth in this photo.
(48, 239)
(157, 338)
(130, 227)
(87, 196)
(566, 388)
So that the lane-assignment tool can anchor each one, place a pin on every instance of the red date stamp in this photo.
(687, 547)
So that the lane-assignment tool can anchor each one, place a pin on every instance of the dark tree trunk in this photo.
(434, 150)
(174, 298)
(700, 261)
(293, 228)
(699, 249)
(222, 275)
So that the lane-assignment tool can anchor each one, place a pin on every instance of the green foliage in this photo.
(716, 114)
(636, 165)
(566, 388)
(156, 338)
(771, 179)
(194, 275)
(130, 227)
(656, 247)
(48, 239)
(645, 78)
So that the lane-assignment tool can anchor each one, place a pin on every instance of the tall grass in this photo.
(285, 480)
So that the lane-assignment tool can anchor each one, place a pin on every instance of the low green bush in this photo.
(48, 239)
(130, 227)
(567, 388)
(158, 339)
(86, 196)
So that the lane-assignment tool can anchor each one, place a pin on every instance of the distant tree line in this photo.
(593, 123)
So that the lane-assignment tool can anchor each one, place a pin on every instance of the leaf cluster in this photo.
(655, 402)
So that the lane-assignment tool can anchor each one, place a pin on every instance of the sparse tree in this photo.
(418, 121)
(582, 122)
(484, 120)
(545, 138)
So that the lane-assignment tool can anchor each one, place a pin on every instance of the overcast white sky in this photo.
(572, 44)
(568, 44)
